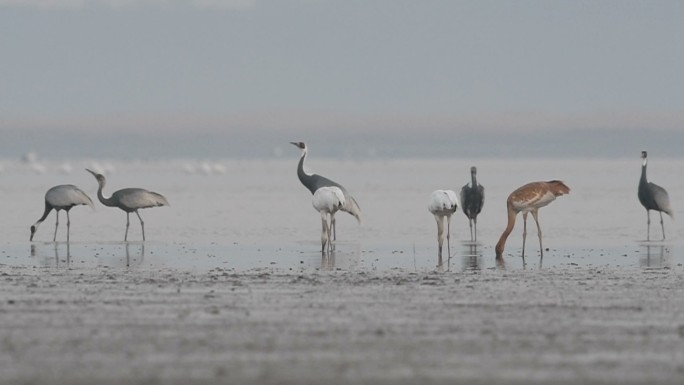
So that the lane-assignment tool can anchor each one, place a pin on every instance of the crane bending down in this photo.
(529, 199)
(129, 200)
(653, 197)
(313, 182)
(443, 203)
(61, 197)
(472, 200)
(327, 200)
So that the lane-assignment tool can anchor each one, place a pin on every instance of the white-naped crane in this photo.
(313, 182)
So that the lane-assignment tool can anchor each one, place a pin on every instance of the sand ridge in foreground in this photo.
(270, 326)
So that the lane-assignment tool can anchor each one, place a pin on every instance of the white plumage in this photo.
(443, 203)
(61, 197)
(327, 201)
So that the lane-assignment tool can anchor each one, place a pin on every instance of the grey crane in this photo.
(61, 197)
(472, 200)
(653, 197)
(129, 200)
(314, 181)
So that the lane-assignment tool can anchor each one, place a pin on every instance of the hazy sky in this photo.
(353, 65)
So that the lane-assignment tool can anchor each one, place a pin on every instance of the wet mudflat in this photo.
(267, 325)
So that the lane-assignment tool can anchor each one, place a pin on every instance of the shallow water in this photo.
(248, 214)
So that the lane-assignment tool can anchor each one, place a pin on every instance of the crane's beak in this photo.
(92, 172)
(33, 231)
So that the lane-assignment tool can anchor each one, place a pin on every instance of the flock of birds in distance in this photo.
(330, 197)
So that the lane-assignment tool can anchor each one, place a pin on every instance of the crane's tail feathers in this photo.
(352, 208)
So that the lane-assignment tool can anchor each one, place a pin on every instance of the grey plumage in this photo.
(314, 181)
(653, 197)
(129, 200)
(61, 197)
(472, 200)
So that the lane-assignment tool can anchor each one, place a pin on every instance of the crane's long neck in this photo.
(643, 173)
(103, 200)
(48, 208)
(473, 179)
(304, 176)
(509, 227)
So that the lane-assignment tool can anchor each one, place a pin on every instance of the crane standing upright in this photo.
(653, 197)
(61, 197)
(129, 200)
(313, 182)
(472, 200)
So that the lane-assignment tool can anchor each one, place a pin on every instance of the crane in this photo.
(653, 197)
(61, 197)
(529, 199)
(472, 200)
(129, 200)
(443, 203)
(313, 182)
(327, 200)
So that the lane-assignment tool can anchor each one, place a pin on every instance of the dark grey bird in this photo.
(61, 197)
(653, 197)
(314, 181)
(472, 200)
(129, 200)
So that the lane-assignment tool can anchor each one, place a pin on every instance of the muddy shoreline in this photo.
(268, 326)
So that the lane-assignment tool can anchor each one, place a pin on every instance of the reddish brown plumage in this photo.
(529, 198)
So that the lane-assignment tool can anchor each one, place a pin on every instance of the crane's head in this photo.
(33, 231)
(300, 145)
(100, 178)
(643, 155)
(473, 170)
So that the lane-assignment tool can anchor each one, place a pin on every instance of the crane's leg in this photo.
(54, 238)
(333, 226)
(475, 225)
(128, 222)
(470, 222)
(535, 214)
(68, 225)
(142, 224)
(661, 223)
(324, 231)
(331, 247)
(440, 234)
(524, 233)
(648, 225)
(448, 235)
